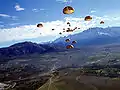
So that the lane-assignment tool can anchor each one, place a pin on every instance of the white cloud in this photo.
(42, 9)
(65, 1)
(92, 11)
(31, 31)
(14, 24)
(4, 15)
(18, 8)
(8, 16)
(37, 10)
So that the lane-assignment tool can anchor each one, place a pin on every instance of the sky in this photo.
(18, 18)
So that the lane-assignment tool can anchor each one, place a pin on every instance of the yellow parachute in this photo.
(102, 22)
(68, 10)
(88, 18)
(39, 25)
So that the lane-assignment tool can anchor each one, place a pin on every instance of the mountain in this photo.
(26, 48)
(93, 36)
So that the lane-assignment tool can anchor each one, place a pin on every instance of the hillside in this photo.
(25, 49)
(93, 36)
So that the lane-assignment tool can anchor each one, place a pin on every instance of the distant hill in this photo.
(93, 36)
(26, 48)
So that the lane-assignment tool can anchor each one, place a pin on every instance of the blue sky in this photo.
(15, 14)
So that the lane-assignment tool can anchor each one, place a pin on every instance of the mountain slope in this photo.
(26, 48)
(93, 36)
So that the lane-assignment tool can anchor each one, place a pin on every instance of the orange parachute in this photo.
(67, 40)
(102, 22)
(40, 25)
(88, 18)
(68, 10)
(69, 46)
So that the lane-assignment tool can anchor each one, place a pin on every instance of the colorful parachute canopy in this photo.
(39, 25)
(88, 18)
(74, 42)
(102, 22)
(68, 10)
(69, 46)
(67, 40)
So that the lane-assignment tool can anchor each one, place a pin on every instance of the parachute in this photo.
(69, 30)
(68, 10)
(102, 22)
(53, 29)
(74, 42)
(67, 40)
(69, 46)
(68, 22)
(60, 33)
(88, 18)
(75, 28)
(40, 25)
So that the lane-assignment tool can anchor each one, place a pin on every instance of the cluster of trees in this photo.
(104, 71)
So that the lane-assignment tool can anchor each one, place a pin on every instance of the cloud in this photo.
(32, 32)
(14, 24)
(18, 8)
(4, 15)
(37, 10)
(92, 11)
(42, 9)
(65, 1)
(8, 16)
